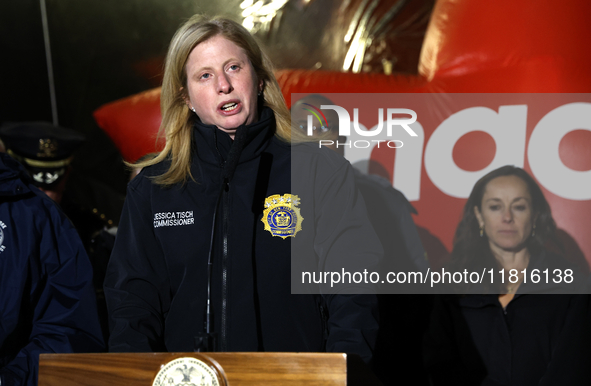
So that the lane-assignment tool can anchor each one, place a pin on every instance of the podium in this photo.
(172, 369)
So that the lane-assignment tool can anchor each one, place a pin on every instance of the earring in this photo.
(533, 233)
(482, 231)
(192, 109)
(260, 92)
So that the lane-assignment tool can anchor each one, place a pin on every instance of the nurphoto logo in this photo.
(392, 118)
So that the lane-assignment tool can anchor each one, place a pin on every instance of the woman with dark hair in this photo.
(505, 222)
(498, 332)
(203, 255)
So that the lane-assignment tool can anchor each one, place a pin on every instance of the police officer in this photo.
(48, 303)
(47, 151)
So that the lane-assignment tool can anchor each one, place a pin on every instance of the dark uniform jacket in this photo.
(538, 339)
(47, 303)
(156, 285)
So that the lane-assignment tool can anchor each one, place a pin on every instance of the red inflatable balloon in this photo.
(471, 46)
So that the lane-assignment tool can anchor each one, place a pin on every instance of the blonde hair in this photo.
(177, 119)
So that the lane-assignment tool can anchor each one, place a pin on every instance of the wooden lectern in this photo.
(168, 369)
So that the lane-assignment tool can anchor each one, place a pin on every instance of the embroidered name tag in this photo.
(173, 219)
(281, 216)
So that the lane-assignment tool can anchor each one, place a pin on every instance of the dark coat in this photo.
(538, 339)
(156, 285)
(46, 294)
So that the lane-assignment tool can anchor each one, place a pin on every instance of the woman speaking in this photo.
(203, 256)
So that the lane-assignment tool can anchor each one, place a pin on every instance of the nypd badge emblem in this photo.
(281, 216)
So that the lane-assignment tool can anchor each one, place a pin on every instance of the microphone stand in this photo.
(206, 341)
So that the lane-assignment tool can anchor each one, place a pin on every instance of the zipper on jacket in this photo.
(225, 188)
(225, 214)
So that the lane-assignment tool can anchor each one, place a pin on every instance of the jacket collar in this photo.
(13, 177)
(213, 145)
(540, 261)
(546, 260)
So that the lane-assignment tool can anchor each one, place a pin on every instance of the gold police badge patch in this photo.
(281, 216)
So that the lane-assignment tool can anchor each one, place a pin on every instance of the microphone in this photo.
(234, 154)
(206, 341)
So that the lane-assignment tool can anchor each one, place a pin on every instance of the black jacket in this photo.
(47, 303)
(538, 339)
(156, 285)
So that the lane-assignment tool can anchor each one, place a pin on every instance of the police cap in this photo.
(44, 149)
